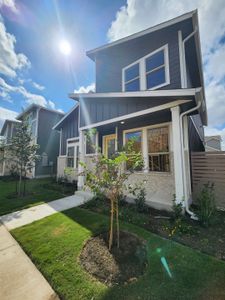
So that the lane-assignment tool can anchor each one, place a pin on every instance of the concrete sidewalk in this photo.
(29, 215)
(19, 278)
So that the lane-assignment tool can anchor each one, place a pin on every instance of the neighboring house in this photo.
(7, 132)
(149, 86)
(213, 143)
(41, 120)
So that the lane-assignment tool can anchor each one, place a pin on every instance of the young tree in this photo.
(109, 177)
(22, 153)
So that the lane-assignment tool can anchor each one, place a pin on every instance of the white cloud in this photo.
(85, 89)
(10, 61)
(38, 86)
(141, 14)
(51, 104)
(6, 114)
(10, 4)
(29, 97)
(60, 110)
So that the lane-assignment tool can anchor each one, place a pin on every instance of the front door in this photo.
(109, 145)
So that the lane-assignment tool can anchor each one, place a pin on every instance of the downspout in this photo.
(193, 216)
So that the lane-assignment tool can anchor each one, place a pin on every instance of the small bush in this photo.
(206, 205)
(177, 209)
(140, 200)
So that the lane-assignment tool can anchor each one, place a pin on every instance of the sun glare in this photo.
(65, 47)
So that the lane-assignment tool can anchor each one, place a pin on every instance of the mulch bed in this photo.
(123, 265)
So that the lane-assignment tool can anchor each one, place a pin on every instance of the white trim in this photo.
(38, 106)
(96, 145)
(80, 182)
(181, 58)
(65, 116)
(141, 62)
(160, 26)
(177, 154)
(136, 114)
(73, 138)
(60, 142)
(144, 143)
(147, 93)
(75, 145)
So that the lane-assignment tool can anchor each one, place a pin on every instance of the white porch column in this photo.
(186, 159)
(80, 183)
(177, 153)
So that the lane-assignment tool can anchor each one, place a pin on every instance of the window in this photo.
(132, 79)
(91, 143)
(44, 159)
(70, 157)
(158, 149)
(136, 138)
(153, 143)
(149, 72)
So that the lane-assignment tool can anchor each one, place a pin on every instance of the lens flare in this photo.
(65, 47)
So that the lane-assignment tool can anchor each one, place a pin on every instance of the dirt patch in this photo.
(119, 266)
(61, 229)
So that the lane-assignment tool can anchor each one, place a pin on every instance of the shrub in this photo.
(177, 209)
(206, 205)
(140, 200)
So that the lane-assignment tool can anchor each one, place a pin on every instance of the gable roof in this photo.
(213, 137)
(56, 126)
(6, 122)
(32, 106)
(91, 53)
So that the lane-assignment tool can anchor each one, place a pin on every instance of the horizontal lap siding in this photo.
(209, 167)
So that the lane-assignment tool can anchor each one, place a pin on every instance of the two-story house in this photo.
(149, 88)
(40, 120)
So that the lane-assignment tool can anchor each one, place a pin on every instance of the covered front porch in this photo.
(157, 136)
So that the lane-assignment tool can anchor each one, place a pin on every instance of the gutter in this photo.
(192, 214)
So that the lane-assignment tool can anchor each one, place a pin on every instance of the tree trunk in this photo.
(111, 225)
(117, 224)
(20, 183)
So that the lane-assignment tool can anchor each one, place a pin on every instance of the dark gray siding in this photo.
(69, 129)
(48, 140)
(195, 141)
(110, 62)
(93, 111)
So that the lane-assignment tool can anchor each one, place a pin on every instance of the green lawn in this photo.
(38, 191)
(54, 244)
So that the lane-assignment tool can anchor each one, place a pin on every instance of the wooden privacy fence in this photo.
(209, 167)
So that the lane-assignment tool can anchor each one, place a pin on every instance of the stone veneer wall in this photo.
(159, 186)
(61, 165)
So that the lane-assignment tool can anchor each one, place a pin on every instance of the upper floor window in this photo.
(132, 78)
(148, 73)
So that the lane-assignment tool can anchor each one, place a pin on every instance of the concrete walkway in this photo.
(19, 278)
(29, 215)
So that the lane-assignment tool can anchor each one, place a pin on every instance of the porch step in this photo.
(86, 196)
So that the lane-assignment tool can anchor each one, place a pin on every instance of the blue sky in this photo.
(38, 27)
(33, 70)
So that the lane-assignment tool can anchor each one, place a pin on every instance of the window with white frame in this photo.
(73, 155)
(70, 156)
(135, 137)
(91, 143)
(148, 73)
(158, 149)
(132, 78)
(156, 142)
